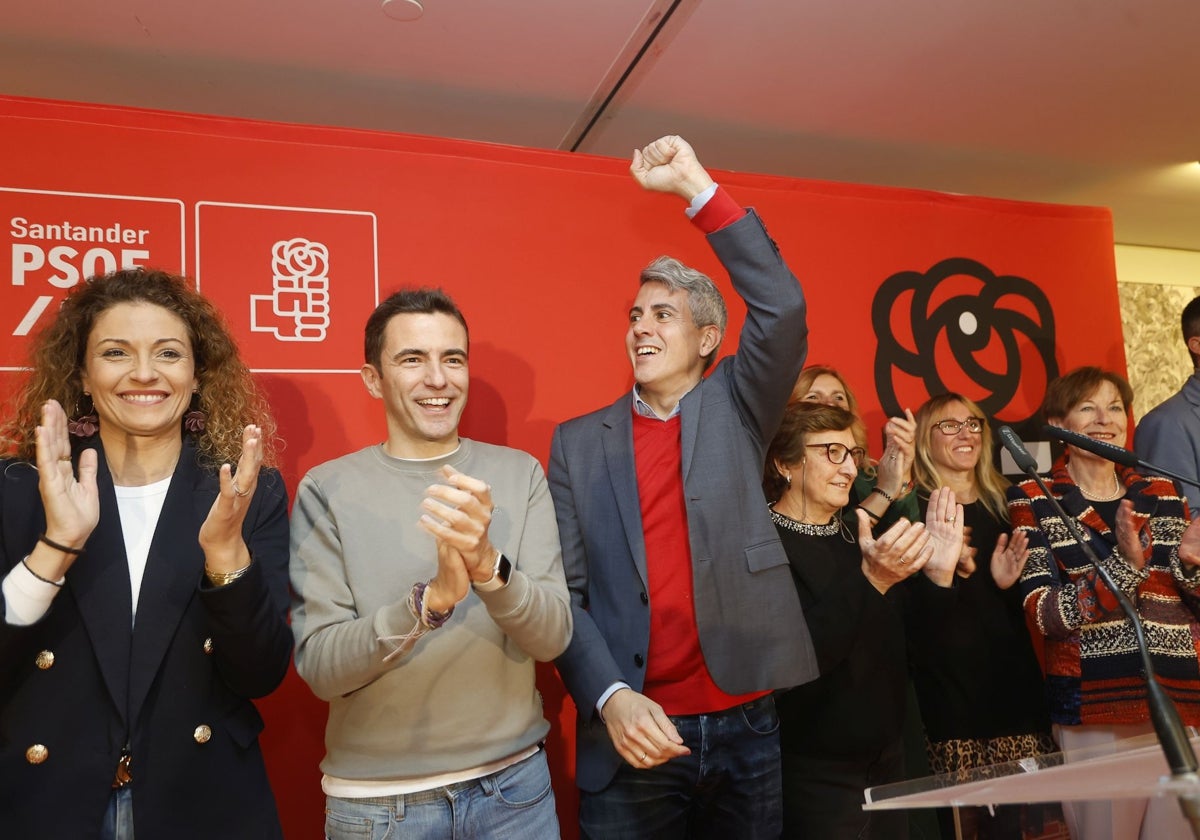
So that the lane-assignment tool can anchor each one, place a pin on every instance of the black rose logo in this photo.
(961, 321)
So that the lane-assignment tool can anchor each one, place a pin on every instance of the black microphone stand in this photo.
(1172, 736)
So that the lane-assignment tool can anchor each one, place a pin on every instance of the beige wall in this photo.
(1154, 284)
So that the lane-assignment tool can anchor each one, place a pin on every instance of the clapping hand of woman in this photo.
(966, 560)
(897, 553)
(944, 523)
(894, 470)
(1133, 534)
(1189, 547)
(72, 503)
(1008, 558)
(225, 551)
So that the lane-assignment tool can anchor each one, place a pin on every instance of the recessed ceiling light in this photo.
(403, 9)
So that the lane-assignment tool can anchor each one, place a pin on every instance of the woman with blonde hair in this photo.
(976, 676)
(882, 489)
(145, 578)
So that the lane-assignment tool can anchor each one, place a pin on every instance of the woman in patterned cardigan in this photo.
(1138, 527)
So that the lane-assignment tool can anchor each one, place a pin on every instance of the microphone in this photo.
(1025, 462)
(1107, 451)
(1116, 454)
(1172, 737)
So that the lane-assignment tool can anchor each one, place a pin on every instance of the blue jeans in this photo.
(515, 803)
(118, 819)
(730, 785)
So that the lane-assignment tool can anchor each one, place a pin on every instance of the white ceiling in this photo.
(1068, 101)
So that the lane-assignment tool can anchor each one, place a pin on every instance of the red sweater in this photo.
(676, 675)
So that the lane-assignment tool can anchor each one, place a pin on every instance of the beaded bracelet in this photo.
(885, 494)
(432, 620)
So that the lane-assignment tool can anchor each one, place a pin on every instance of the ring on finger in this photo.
(64, 457)
(238, 491)
(951, 519)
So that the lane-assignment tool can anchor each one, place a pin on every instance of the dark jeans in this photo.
(728, 787)
(118, 819)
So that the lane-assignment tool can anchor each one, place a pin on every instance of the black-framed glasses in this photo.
(952, 427)
(837, 452)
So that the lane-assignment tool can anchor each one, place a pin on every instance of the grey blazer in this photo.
(752, 632)
(1169, 436)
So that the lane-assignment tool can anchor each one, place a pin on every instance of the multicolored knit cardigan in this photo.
(1092, 666)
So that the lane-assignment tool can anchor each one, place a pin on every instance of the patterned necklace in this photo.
(807, 528)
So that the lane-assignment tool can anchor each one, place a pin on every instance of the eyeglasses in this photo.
(952, 427)
(837, 452)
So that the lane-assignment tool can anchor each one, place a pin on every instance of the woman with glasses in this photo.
(978, 683)
(1138, 527)
(881, 489)
(842, 733)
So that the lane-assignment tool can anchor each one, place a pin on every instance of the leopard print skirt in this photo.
(970, 758)
(973, 753)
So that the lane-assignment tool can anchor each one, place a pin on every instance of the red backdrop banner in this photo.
(296, 232)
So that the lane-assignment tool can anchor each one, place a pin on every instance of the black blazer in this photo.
(176, 687)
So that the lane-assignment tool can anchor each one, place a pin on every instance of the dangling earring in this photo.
(788, 479)
(86, 423)
(195, 419)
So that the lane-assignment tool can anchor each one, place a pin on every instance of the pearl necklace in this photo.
(1117, 492)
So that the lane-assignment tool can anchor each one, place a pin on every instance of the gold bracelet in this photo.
(223, 578)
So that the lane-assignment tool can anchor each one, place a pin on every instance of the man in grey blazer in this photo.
(1169, 435)
(686, 617)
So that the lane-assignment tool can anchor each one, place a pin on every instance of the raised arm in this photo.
(670, 165)
(252, 643)
(71, 502)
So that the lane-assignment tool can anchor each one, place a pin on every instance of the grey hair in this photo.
(704, 299)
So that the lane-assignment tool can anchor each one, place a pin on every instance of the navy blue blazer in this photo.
(176, 687)
(751, 628)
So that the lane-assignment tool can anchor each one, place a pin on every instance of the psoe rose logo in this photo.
(298, 307)
(961, 327)
(295, 283)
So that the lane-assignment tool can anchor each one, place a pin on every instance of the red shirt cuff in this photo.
(720, 211)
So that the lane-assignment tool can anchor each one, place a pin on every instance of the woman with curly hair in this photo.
(144, 577)
(977, 679)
